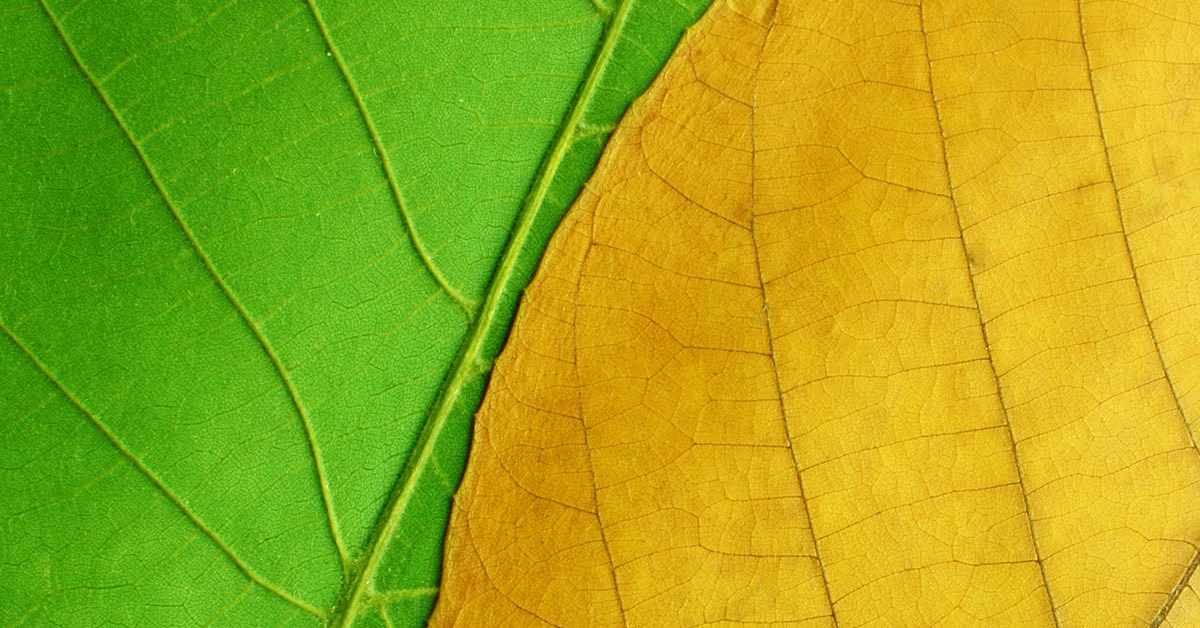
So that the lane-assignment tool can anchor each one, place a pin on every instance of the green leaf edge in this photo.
(489, 321)
(471, 361)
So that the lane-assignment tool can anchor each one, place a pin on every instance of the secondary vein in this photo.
(155, 480)
(779, 389)
(383, 599)
(1133, 268)
(469, 363)
(467, 305)
(587, 443)
(962, 233)
(322, 478)
(1185, 579)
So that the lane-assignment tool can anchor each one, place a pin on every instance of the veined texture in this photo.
(874, 314)
(256, 260)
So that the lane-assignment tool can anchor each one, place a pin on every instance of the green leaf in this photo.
(256, 259)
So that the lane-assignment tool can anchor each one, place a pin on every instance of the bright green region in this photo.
(256, 259)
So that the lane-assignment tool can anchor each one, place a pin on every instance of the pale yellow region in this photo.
(1186, 611)
(1152, 131)
(905, 454)
(1106, 457)
(1146, 87)
(873, 314)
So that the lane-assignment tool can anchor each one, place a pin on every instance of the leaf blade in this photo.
(862, 334)
(292, 313)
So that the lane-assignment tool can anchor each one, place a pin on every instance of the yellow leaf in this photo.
(874, 314)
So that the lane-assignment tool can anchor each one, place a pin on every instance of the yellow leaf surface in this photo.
(875, 313)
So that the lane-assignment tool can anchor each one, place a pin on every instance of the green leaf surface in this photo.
(256, 259)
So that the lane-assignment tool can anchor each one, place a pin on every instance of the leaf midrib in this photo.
(468, 363)
(357, 592)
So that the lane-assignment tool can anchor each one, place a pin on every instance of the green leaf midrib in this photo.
(468, 363)
(391, 556)
(359, 573)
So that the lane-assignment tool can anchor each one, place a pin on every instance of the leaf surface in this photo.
(256, 259)
(873, 314)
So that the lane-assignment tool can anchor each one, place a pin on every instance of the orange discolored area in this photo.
(874, 314)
